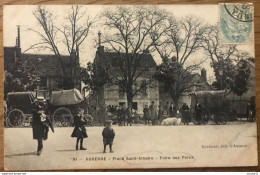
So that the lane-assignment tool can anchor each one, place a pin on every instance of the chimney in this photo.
(99, 39)
(100, 48)
(18, 41)
(204, 74)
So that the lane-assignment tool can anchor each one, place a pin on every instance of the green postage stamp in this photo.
(236, 23)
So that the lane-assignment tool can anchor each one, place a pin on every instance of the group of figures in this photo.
(154, 115)
(42, 122)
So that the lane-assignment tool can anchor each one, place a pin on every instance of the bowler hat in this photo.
(108, 121)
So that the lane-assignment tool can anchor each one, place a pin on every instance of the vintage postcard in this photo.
(129, 86)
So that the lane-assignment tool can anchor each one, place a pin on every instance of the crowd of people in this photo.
(152, 114)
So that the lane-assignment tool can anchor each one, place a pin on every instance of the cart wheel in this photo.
(62, 117)
(205, 117)
(221, 118)
(89, 119)
(27, 120)
(15, 118)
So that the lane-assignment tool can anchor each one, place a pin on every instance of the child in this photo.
(79, 130)
(108, 136)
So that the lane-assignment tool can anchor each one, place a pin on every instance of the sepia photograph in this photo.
(129, 86)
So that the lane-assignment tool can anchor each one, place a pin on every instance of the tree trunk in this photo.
(129, 96)
(176, 102)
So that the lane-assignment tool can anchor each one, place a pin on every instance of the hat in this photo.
(38, 107)
(108, 121)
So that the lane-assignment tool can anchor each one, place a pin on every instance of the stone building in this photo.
(113, 95)
(198, 82)
(47, 67)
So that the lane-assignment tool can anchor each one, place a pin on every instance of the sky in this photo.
(23, 15)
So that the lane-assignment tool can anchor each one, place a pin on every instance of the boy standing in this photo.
(108, 136)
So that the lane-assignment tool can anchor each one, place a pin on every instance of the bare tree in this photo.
(213, 48)
(178, 79)
(72, 33)
(133, 32)
(222, 56)
(183, 38)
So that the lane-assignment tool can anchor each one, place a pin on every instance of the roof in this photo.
(250, 62)
(66, 97)
(143, 59)
(196, 79)
(219, 93)
(200, 77)
(50, 60)
(49, 65)
(10, 54)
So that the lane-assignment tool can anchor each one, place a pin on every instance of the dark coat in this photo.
(153, 112)
(108, 135)
(79, 129)
(41, 128)
(198, 111)
(185, 114)
(172, 111)
(129, 118)
(120, 114)
(160, 113)
(146, 113)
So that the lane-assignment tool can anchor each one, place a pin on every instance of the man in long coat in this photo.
(40, 126)
(146, 116)
(172, 110)
(153, 112)
(160, 114)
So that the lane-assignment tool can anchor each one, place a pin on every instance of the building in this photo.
(48, 67)
(198, 82)
(114, 95)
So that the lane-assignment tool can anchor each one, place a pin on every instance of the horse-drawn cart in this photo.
(59, 104)
(206, 105)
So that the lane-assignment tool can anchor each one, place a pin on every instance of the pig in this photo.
(171, 121)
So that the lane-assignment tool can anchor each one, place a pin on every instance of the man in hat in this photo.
(108, 135)
(153, 112)
(40, 126)
(172, 110)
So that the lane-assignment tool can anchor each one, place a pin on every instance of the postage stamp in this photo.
(236, 23)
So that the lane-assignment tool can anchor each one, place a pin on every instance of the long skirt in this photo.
(185, 117)
(79, 132)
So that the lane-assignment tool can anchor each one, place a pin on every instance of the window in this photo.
(122, 104)
(135, 105)
(43, 81)
(144, 87)
(121, 92)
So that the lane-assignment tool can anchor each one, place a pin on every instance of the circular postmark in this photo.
(240, 12)
(236, 23)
